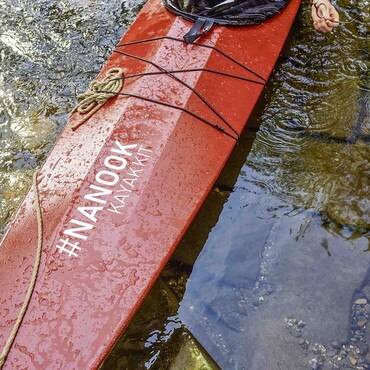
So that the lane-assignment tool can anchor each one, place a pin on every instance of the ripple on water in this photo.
(50, 51)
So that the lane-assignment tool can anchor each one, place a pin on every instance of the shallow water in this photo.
(49, 53)
(282, 237)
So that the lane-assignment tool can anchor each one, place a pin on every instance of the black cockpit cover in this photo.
(227, 12)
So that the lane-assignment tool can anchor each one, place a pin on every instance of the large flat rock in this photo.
(283, 265)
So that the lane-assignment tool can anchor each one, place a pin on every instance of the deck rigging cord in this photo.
(100, 92)
(35, 270)
(164, 71)
(107, 93)
(212, 47)
(194, 70)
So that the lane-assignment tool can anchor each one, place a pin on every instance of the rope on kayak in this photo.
(32, 283)
(195, 70)
(219, 51)
(171, 73)
(98, 93)
(217, 127)
(186, 85)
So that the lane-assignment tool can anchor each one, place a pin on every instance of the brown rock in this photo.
(352, 360)
(362, 320)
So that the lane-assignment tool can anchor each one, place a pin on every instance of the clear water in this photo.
(49, 52)
(269, 274)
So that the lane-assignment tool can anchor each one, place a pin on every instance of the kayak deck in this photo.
(118, 193)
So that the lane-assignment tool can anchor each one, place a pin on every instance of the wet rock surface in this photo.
(296, 314)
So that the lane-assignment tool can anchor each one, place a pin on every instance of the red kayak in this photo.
(118, 192)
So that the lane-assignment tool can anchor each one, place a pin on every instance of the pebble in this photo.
(367, 307)
(352, 360)
(314, 363)
(335, 345)
(318, 349)
(331, 352)
(301, 324)
(301, 342)
(362, 320)
(306, 345)
(363, 348)
(270, 289)
(256, 303)
(361, 301)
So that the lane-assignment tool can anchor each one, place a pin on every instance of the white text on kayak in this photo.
(113, 186)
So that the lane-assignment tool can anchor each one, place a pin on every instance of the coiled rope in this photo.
(98, 93)
(31, 286)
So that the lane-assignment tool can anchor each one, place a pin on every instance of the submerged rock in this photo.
(312, 291)
(352, 360)
(361, 321)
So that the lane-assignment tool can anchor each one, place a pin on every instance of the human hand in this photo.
(324, 16)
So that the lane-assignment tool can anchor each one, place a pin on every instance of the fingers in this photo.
(319, 23)
(333, 16)
(330, 24)
(322, 26)
(324, 16)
